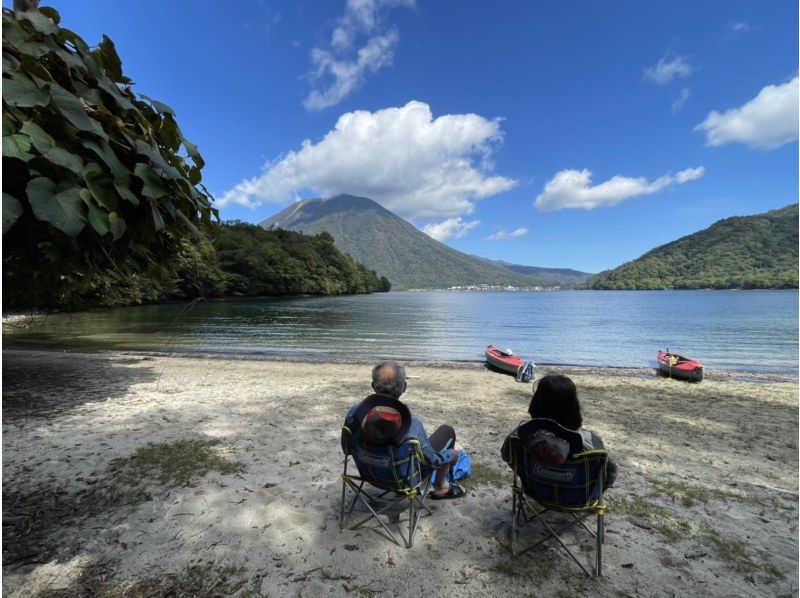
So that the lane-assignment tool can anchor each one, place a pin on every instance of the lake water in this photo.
(732, 330)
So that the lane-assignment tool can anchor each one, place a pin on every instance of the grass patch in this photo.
(692, 494)
(177, 462)
(636, 506)
(484, 475)
(208, 579)
(675, 529)
(732, 551)
(735, 553)
(540, 567)
(29, 518)
(671, 528)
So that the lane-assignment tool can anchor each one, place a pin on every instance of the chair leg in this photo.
(411, 523)
(357, 490)
(341, 510)
(599, 544)
(514, 526)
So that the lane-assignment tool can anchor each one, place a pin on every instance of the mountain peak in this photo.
(389, 245)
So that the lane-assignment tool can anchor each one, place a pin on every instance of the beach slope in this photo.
(135, 475)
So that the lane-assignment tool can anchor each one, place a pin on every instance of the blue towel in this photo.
(462, 469)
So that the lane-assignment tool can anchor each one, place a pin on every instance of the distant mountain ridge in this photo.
(392, 247)
(555, 276)
(759, 252)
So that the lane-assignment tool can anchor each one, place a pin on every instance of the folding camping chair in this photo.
(573, 487)
(395, 470)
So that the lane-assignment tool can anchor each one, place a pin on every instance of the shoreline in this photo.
(317, 358)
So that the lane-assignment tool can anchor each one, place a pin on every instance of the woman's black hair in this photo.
(556, 398)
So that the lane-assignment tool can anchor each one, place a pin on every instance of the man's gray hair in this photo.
(389, 378)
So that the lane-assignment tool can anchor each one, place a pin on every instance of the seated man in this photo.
(389, 378)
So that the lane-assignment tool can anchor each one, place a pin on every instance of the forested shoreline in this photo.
(227, 260)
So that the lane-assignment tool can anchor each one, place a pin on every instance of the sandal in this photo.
(455, 491)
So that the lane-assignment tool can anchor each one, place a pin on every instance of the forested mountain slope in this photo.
(743, 252)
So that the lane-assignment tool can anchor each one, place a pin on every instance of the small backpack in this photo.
(525, 372)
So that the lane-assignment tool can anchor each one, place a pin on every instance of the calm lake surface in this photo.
(731, 330)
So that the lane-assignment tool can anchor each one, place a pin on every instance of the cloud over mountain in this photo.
(415, 165)
(767, 121)
(573, 189)
(452, 227)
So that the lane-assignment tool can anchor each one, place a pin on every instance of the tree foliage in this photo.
(745, 252)
(254, 262)
(100, 188)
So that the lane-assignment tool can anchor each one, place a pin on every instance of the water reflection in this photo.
(731, 330)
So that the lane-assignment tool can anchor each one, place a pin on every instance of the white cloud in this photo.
(452, 227)
(740, 27)
(767, 121)
(415, 165)
(514, 234)
(680, 100)
(668, 69)
(573, 189)
(340, 68)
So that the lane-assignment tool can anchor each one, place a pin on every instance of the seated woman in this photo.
(556, 398)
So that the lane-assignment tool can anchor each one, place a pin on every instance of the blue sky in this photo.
(461, 116)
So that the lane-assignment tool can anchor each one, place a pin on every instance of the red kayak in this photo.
(503, 359)
(678, 366)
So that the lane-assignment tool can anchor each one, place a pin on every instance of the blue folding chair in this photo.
(396, 470)
(574, 486)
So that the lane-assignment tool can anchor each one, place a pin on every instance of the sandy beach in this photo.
(141, 475)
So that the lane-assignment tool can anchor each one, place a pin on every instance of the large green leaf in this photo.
(63, 210)
(158, 106)
(107, 155)
(52, 13)
(32, 49)
(153, 187)
(40, 139)
(12, 210)
(169, 133)
(17, 146)
(191, 148)
(111, 88)
(35, 68)
(99, 220)
(41, 22)
(10, 63)
(194, 175)
(109, 58)
(71, 108)
(188, 222)
(66, 159)
(158, 221)
(157, 159)
(9, 125)
(116, 224)
(13, 33)
(126, 194)
(69, 58)
(23, 93)
(100, 186)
